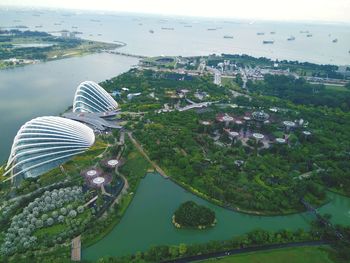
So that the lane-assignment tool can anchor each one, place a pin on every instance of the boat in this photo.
(260, 33)
(272, 32)
(291, 38)
(74, 27)
(40, 26)
(211, 29)
(335, 40)
(21, 26)
(151, 31)
(57, 24)
(187, 26)
(304, 32)
(99, 34)
(309, 35)
(95, 20)
(228, 37)
(268, 41)
(167, 28)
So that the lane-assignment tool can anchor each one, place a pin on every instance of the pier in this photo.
(76, 249)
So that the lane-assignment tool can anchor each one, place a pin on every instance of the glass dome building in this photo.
(46, 142)
(91, 97)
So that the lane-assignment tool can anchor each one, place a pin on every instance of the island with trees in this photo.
(191, 215)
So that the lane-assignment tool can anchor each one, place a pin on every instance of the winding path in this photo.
(140, 149)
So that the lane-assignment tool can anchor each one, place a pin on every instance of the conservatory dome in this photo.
(45, 143)
(91, 97)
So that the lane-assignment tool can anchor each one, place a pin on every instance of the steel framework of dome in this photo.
(91, 97)
(46, 142)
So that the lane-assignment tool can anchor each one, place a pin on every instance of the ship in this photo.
(309, 35)
(260, 33)
(167, 28)
(151, 31)
(228, 37)
(211, 29)
(335, 40)
(304, 32)
(40, 26)
(291, 38)
(268, 41)
(187, 26)
(272, 32)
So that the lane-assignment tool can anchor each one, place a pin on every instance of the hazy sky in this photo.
(319, 10)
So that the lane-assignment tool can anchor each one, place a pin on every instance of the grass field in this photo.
(336, 88)
(284, 255)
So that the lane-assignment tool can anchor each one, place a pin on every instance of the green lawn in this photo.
(336, 88)
(284, 255)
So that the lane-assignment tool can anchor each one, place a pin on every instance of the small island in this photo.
(192, 215)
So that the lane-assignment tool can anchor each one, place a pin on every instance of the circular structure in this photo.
(289, 124)
(113, 162)
(280, 140)
(260, 116)
(206, 123)
(246, 118)
(98, 180)
(307, 133)
(258, 136)
(233, 134)
(91, 173)
(227, 118)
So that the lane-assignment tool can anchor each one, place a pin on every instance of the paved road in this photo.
(244, 250)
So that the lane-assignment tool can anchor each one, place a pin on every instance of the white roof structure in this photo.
(91, 97)
(258, 136)
(46, 142)
(289, 123)
(280, 140)
(233, 134)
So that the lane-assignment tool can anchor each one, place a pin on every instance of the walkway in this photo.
(140, 149)
(76, 249)
(244, 250)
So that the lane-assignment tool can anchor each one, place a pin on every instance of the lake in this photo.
(147, 222)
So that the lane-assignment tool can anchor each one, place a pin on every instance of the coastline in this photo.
(103, 47)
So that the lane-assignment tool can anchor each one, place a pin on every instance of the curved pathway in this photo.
(244, 250)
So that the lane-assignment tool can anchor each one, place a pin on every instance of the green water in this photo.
(147, 221)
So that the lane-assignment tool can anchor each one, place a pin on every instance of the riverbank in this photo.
(228, 255)
(133, 171)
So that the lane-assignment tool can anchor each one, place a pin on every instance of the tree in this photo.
(182, 249)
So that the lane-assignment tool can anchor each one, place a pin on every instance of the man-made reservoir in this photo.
(48, 89)
(147, 221)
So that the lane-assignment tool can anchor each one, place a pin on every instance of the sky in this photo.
(285, 10)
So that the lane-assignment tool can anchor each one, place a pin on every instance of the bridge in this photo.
(76, 249)
(323, 220)
(125, 54)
